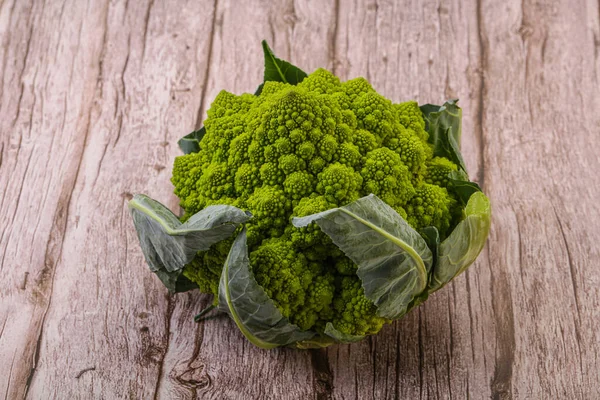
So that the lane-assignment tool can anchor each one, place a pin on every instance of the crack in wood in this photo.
(83, 371)
(24, 283)
(450, 351)
(166, 339)
(322, 376)
(6, 48)
(421, 352)
(334, 35)
(291, 19)
(572, 273)
(146, 27)
(501, 384)
(12, 363)
(199, 339)
(481, 93)
(207, 70)
(123, 92)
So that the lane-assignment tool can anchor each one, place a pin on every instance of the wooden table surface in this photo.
(95, 94)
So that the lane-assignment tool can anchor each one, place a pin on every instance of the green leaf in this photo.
(175, 281)
(330, 336)
(461, 186)
(190, 143)
(393, 259)
(275, 70)
(432, 238)
(168, 245)
(341, 337)
(280, 70)
(259, 89)
(464, 244)
(253, 311)
(443, 123)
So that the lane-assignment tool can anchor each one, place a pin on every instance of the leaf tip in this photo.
(136, 199)
(266, 47)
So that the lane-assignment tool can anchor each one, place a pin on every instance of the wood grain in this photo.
(94, 95)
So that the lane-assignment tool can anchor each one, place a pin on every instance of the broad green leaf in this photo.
(393, 259)
(249, 306)
(341, 337)
(432, 238)
(330, 336)
(464, 244)
(280, 70)
(443, 123)
(168, 245)
(190, 143)
(461, 186)
(259, 89)
(175, 281)
(275, 70)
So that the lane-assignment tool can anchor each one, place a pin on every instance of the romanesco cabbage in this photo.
(296, 150)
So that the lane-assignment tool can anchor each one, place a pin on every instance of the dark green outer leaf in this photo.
(168, 245)
(464, 244)
(330, 336)
(279, 70)
(462, 187)
(246, 302)
(444, 126)
(432, 238)
(393, 259)
(275, 70)
(259, 89)
(341, 337)
(175, 281)
(190, 143)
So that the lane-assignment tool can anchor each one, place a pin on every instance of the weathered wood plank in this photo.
(47, 96)
(213, 360)
(541, 151)
(428, 51)
(107, 325)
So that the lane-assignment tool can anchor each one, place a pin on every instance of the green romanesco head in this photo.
(354, 314)
(301, 289)
(430, 206)
(299, 150)
(437, 171)
(385, 175)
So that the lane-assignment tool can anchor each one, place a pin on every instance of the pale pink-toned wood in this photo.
(94, 95)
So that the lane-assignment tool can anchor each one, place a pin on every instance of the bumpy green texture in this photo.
(296, 150)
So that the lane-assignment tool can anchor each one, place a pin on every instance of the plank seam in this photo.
(322, 376)
(572, 273)
(146, 24)
(61, 217)
(169, 314)
(208, 63)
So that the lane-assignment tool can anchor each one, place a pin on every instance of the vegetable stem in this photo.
(198, 318)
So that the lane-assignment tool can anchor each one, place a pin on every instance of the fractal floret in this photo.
(315, 210)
